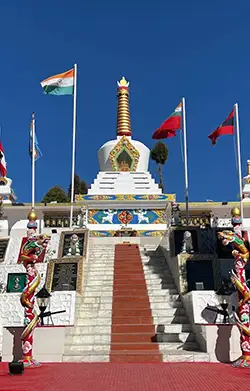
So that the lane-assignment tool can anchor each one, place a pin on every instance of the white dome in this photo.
(104, 152)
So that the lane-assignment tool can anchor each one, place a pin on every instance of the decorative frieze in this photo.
(127, 216)
(138, 233)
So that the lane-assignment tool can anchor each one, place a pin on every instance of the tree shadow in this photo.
(222, 347)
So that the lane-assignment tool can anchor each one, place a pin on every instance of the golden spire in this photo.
(123, 127)
(248, 167)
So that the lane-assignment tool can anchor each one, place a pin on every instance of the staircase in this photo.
(89, 340)
(130, 310)
(174, 334)
(132, 322)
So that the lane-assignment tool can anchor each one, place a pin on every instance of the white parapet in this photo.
(12, 313)
(220, 341)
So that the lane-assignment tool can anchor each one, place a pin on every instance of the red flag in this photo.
(227, 127)
(3, 169)
(169, 127)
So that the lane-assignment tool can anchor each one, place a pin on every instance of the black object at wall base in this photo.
(16, 368)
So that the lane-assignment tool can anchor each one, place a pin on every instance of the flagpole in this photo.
(184, 128)
(237, 130)
(73, 148)
(33, 162)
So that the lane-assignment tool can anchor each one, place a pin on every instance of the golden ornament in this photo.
(235, 212)
(32, 216)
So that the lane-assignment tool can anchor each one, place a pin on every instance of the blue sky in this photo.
(166, 49)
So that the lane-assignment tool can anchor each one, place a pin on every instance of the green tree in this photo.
(159, 153)
(80, 186)
(56, 193)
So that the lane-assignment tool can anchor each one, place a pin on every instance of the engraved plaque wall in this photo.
(64, 276)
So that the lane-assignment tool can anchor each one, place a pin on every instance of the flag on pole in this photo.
(227, 127)
(61, 84)
(37, 150)
(3, 165)
(169, 127)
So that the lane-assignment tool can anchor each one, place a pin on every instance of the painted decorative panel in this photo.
(33, 247)
(138, 233)
(127, 216)
(126, 197)
(124, 156)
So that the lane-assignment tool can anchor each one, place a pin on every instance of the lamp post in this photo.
(43, 300)
(224, 292)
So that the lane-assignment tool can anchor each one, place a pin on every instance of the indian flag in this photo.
(170, 125)
(61, 84)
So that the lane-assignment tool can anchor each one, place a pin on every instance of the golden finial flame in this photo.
(123, 82)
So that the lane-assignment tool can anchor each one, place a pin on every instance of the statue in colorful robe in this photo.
(241, 256)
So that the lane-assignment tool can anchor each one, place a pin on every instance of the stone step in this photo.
(171, 356)
(154, 261)
(86, 357)
(123, 302)
(150, 276)
(105, 261)
(152, 292)
(110, 278)
(157, 271)
(107, 296)
(92, 320)
(174, 337)
(98, 267)
(184, 356)
(95, 284)
(104, 348)
(87, 339)
(161, 274)
(100, 259)
(155, 283)
(120, 338)
(130, 329)
(89, 320)
(175, 319)
(165, 314)
(159, 296)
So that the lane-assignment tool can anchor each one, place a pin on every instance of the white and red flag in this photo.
(3, 169)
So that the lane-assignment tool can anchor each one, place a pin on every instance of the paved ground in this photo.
(129, 377)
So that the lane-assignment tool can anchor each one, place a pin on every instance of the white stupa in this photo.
(124, 162)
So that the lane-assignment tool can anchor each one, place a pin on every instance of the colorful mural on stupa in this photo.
(127, 216)
(126, 197)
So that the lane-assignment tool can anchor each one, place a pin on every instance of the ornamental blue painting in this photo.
(126, 216)
(138, 233)
(126, 197)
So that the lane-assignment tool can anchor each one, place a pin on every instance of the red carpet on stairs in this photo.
(132, 323)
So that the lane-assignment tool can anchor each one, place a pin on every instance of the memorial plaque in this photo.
(16, 282)
(65, 276)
